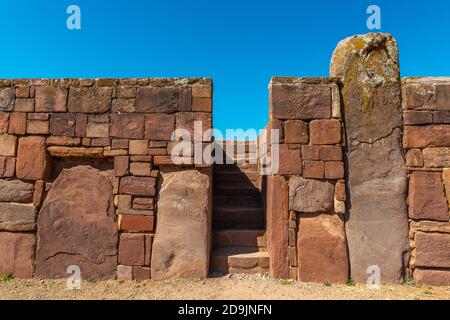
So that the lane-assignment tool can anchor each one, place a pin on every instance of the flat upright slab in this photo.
(182, 241)
(377, 220)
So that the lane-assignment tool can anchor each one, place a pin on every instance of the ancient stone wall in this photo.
(306, 197)
(426, 112)
(80, 164)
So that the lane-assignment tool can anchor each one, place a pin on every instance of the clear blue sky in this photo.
(241, 44)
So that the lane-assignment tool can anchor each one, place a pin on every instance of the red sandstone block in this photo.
(290, 161)
(325, 131)
(7, 167)
(62, 124)
(331, 153)
(22, 92)
(141, 273)
(138, 186)
(314, 169)
(432, 250)
(37, 127)
(32, 159)
(80, 124)
(201, 91)
(38, 116)
(187, 121)
(417, 117)
(334, 170)
(24, 105)
(89, 100)
(121, 164)
(148, 248)
(426, 197)
(201, 104)
(50, 99)
(296, 131)
(143, 204)
(39, 189)
(132, 249)
(441, 117)
(340, 192)
(426, 136)
(130, 126)
(157, 99)
(119, 144)
(4, 120)
(17, 123)
(137, 223)
(414, 158)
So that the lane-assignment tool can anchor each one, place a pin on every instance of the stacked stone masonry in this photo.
(81, 161)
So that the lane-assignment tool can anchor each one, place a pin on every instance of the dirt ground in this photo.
(225, 287)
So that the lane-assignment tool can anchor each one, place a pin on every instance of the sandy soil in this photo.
(226, 287)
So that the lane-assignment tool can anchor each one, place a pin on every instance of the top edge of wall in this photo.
(106, 82)
(430, 80)
(300, 80)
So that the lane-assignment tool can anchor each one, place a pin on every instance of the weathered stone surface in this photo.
(326, 131)
(181, 245)
(17, 123)
(431, 93)
(289, 160)
(16, 191)
(37, 127)
(432, 277)
(50, 99)
(7, 167)
(277, 226)
(427, 136)
(97, 130)
(432, 250)
(17, 254)
(426, 197)
(4, 120)
(414, 158)
(159, 126)
(187, 121)
(310, 196)
(157, 100)
(8, 144)
(90, 99)
(32, 160)
(77, 226)
(377, 221)
(132, 249)
(436, 157)
(322, 249)
(75, 152)
(62, 124)
(138, 186)
(446, 180)
(17, 217)
(6, 99)
(129, 126)
(296, 131)
(300, 101)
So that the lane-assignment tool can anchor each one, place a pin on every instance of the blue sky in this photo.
(241, 44)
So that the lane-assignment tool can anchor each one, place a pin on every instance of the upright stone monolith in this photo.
(376, 221)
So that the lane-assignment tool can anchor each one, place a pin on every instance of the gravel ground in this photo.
(226, 287)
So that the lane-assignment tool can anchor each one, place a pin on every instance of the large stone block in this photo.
(189, 120)
(182, 242)
(157, 99)
(17, 217)
(62, 124)
(310, 196)
(427, 136)
(50, 99)
(436, 157)
(90, 99)
(17, 254)
(32, 159)
(300, 101)
(138, 186)
(159, 126)
(426, 94)
(8, 145)
(325, 131)
(432, 277)
(129, 126)
(426, 197)
(132, 249)
(278, 226)
(16, 191)
(432, 250)
(322, 249)
(289, 160)
(377, 221)
(6, 99)
(77, 226)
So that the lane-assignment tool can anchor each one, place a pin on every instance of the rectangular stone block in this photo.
(325, 131)
(143, 204)
(201, 104)
(121, 164)
(426, 136)
(138, 147)
(80, 124)
(75, 152)
(296, 131)
(17, 123)
(441, 117)
(157, 99)
(432, 250)
(4, 121)
(159, 126)
(50, 99)
(62, 124)
(97, 130)
(417, 117)
(304, 101)
(90, 99)
(16, 191)
(17, 254)
(432, 277)
(138, 186)
(123, 105)
(8, 145)
(38, 127)
(314, 169)
(7, 167)
(436, 157)
(32, 158)
(24, 105)
(130, 126)
(17, 217)
(290, 161)
(426, 94)
(137, 223)
(7, 97)
(188, 120)
(140, 169)
(132, 249)
(414, 158)
(334, 170)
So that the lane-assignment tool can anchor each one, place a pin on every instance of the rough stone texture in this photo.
(62, 124)
(446, 180)
(77, 226)
(296, 131)
(427, 136)
(290, 161)
(129, 126)
(16, 191)
(432, 250)
(426, 197)
(181, 244)
(322, 249)
(50, 99)
(32, 159)
(7, 167)
(432, 277)
(277, 226)
(305, 101)
(426, 94)
(90, 99)
(311, 196)
(132, 249)
(157, 100)
(4, 119)
(159, 126)
(138, 186)
(325, 131)
(6, 99)
(436, 157)
(377, 225)
(8, 144)
(17, 254)
(17, 217)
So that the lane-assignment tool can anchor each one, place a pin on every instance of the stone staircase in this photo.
(239, 244)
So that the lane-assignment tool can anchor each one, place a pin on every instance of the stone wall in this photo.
(80, 164)
(306, 197)
(426, 112)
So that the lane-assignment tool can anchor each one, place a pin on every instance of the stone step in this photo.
(239, 260)
(225, 217)
(237, 200)
(239, 238)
